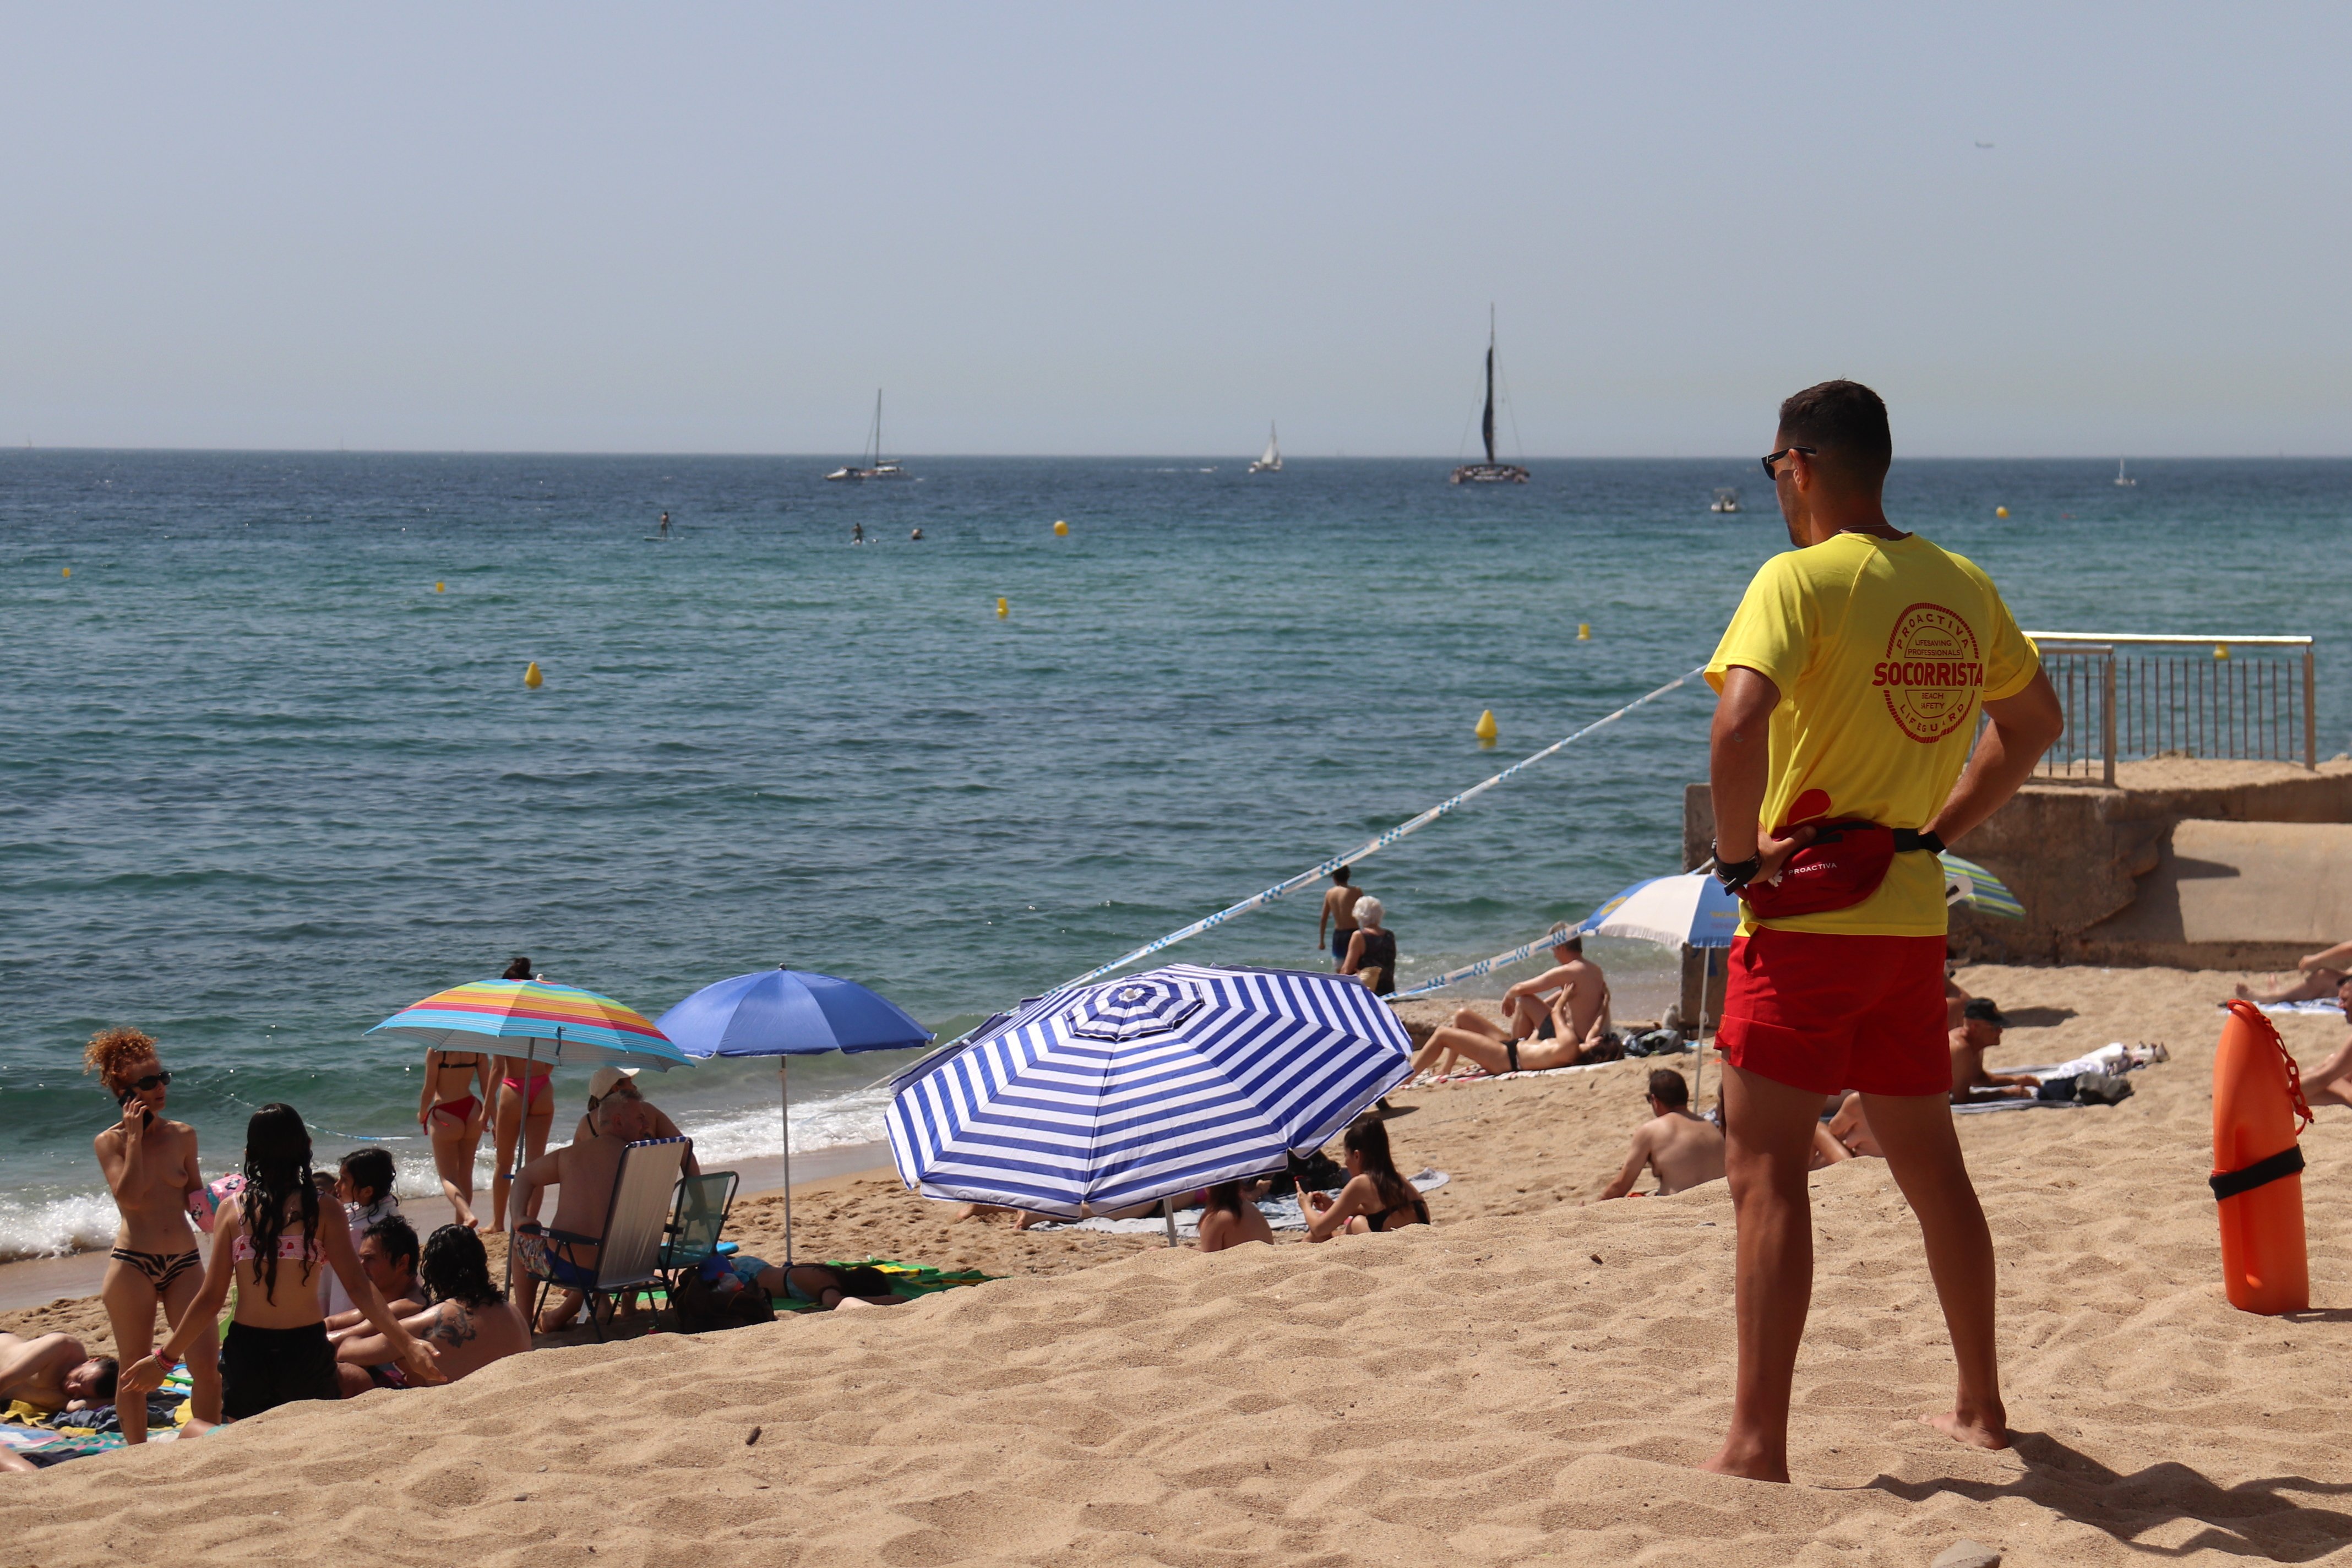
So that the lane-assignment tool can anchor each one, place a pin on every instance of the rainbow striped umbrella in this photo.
(559, 1024)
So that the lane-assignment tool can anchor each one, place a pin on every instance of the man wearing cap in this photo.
(623, 1082)
(1845, 752)
(1979, 1031)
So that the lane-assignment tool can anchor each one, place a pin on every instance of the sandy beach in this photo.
(1530, 1379)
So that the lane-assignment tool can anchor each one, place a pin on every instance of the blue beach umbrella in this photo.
(785, 1013)
(1127, 1090)
(1689, 911)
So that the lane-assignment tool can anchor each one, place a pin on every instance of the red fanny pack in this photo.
(1842, 866)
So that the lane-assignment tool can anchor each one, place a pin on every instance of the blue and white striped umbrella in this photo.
(1129, 1090)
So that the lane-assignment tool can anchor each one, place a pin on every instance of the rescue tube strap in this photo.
(2287, 1162)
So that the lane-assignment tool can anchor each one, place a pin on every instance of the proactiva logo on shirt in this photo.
(1931, 674)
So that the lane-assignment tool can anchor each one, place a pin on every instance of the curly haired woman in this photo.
(151, 1168)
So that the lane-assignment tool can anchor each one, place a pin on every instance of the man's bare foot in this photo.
(1749, 1465)
(2243, 992)
(1986, 1431)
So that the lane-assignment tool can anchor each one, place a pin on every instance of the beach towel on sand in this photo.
(2112, 1061)
(1282, 1213)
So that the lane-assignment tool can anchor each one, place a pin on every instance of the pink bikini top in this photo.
(290, 1248)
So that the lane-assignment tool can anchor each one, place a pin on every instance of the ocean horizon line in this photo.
(1234, 456)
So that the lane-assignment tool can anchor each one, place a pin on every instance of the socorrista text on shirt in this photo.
(1885, 651)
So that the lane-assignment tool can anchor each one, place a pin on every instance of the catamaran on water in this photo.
(875, 467)
(1489, 472)
(1271, 462)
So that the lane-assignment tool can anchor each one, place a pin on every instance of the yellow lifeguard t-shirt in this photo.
(1884, 650)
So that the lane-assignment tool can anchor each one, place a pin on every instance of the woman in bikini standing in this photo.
(452, 1116)
(151, 1167)
(520, 1116)
(274, 1238)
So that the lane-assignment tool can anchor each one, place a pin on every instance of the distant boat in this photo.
(1272, 462)
(876, 466)
(1726, 499)
(1489, 472)
(2123, 478)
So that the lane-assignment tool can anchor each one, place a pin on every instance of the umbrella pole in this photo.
(784, 1093)
(1168, 1209)
(1699, 1066)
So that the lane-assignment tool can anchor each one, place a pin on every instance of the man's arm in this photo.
(1739, 772)
(2022, 727)
(1636, 1159)
(523, 1197)
(2337, 957)
(21, 1359)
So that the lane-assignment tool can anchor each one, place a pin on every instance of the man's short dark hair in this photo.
(1667, 1088)
(109, 1371)
(1340, 876)
(397, 1238)
(371, 1169)
(1847, 422)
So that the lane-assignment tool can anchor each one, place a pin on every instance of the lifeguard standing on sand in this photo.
(1850, 681)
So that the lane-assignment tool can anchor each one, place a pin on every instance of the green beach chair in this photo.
(698, 1219)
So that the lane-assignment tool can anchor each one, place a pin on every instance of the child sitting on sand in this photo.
(271, 1240)
(1375, 1199)
(1230, 1218)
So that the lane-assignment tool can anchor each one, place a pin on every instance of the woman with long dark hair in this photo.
(1375, 1198)
(274, 1238)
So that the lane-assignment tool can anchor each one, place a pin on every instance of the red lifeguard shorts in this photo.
(1829, 1013)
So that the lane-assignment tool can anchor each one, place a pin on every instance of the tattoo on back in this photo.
(453, 1332)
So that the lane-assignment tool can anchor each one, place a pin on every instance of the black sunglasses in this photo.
(1771, 468)
(152, 1080)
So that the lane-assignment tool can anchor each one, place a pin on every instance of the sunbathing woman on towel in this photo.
(1375, 1198)
(1556, 1043)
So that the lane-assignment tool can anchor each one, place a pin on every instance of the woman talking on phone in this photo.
(151, 1168)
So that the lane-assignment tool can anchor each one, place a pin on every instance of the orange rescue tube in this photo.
(2258, 1165)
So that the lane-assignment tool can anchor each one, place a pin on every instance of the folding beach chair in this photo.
(628, 1252)
(695, 1223)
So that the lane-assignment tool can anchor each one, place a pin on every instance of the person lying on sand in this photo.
(1558, 1044)
(583, 1172)
(388, 1258)
(1375, 1199)
(1231, 1217)
(823, 1287)
(1979, 1031)
(1685, 1150)
(53, 1372)
(2321, 972)
(469, 1325)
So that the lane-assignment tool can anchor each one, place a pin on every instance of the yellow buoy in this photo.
(530, 676)
(2000, 511)
(1002, 609)
(1486, 730)
(1062, 531)
(2221, 651)
(1584, 631)
(67, 571)
(440, 587)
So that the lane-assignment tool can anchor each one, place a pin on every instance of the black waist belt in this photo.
(1907, 840)
(2287, 1162)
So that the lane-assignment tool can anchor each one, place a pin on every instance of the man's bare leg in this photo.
(1768, 1149)
(2318, 985)
(1923, 1150)
(1529, 1015)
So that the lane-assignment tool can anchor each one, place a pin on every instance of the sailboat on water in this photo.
(1489, 472)
(875, 466)
(1271, 463)
(2121, 477)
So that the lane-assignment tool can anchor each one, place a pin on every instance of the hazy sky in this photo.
(1130, 229)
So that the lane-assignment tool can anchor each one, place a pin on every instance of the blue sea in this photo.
(268, 770)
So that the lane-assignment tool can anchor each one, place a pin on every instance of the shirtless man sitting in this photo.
(1543, 1035)
(1685, 1151)
(584, 1172)
(469, 1325)
(2322, 972)
(387, 1252)
(52, 1372)
(1979, 1031)
(610, 1081)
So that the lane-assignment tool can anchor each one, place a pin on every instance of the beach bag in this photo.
(1842, 867)
(703, 1304)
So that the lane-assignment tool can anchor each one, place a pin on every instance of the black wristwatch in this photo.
(1736, 873)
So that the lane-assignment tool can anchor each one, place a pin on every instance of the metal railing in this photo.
(2130, 696)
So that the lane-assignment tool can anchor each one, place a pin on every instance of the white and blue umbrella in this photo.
(1127, 1090)
(1689, 911)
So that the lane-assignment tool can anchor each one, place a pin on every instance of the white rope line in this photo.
(1364, 851)
(1488, 965)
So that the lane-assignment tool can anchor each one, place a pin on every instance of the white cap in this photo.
(604, 1081)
